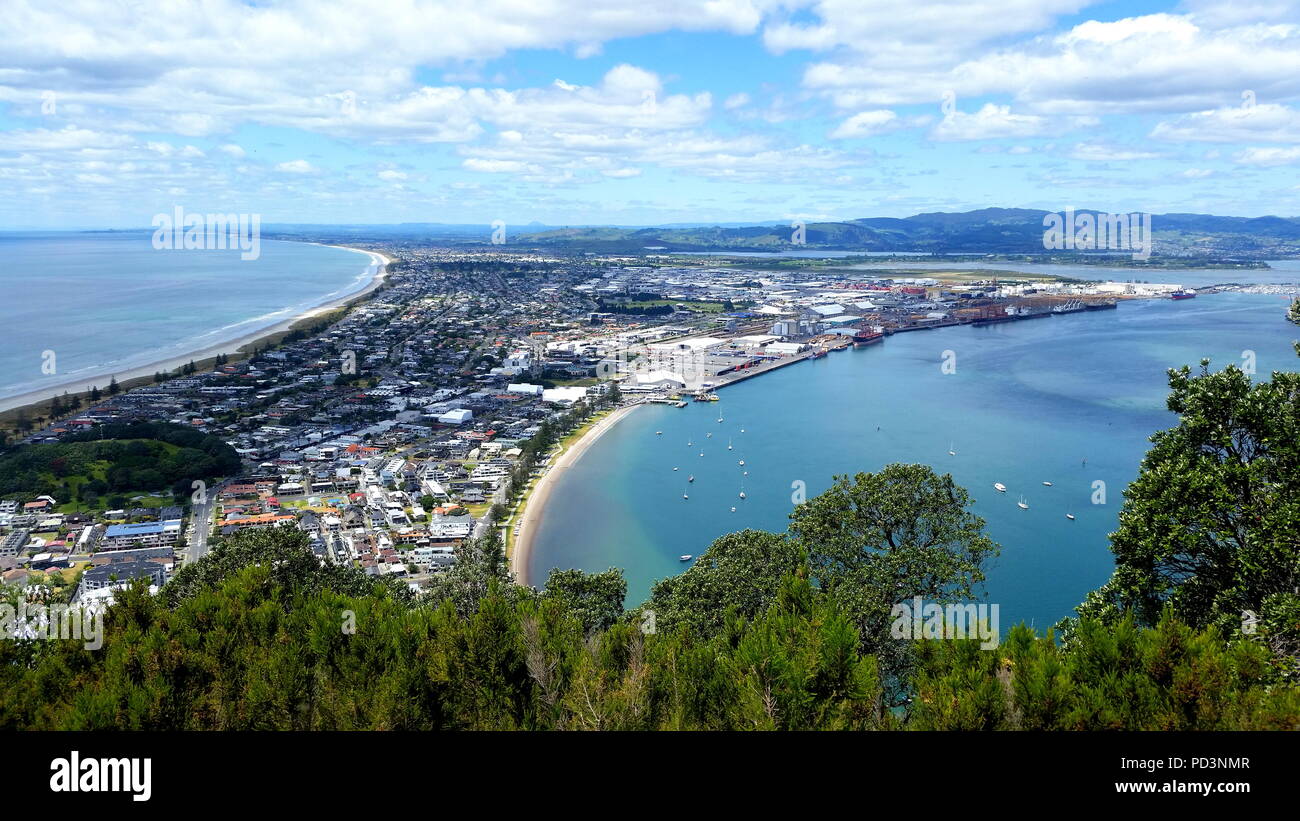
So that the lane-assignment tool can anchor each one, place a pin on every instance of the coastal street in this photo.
(201, 523)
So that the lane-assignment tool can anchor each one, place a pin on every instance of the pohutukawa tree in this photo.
(1211, 526)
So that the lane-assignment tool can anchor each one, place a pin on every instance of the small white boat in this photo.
(659, 433)
(685, 557)
(684, 496)
(999, 487)
(741, 463)
(1047, 484)
(742, 494)
(674, 468)
(701, 453)
(733, 510)
(1022, 504)
(951, 452)
(1070, 516)
(691, 478)
(744, 473)
(742, 430)
(729, 444)
(708, 436)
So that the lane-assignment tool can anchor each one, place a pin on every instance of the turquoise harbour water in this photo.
(106, 302)
(1029, 401)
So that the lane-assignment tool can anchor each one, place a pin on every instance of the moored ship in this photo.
(1072, 306)
(1101, 305)
(1182, 294)
(861, 339)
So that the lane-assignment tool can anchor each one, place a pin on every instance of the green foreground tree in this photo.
(1210, 529)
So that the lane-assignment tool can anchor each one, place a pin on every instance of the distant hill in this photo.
(985, 231)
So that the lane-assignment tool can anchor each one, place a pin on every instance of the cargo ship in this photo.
(818, 354)
(1182, 295)
(1070, 307)
(862, 339)
(1019, 313)
(1102, 305)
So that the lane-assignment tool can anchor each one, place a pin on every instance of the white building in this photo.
(520, 360)
(458, 416)
(660, 379)
(785, 348)
(564, 396)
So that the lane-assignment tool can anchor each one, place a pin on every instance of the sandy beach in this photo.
(536, 501)
(231, 346)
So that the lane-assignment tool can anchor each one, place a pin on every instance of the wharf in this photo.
(759, 370)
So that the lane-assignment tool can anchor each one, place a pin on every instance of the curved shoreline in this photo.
(535, 501)
(229, 346)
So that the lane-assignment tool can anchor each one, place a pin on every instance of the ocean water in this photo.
(1284, 271)
(105, 302)
(1029, 402)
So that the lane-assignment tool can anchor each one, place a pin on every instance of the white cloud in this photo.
(1102, 152)
(493, 166)
(1156, 62)
(990, 122)
(1265, 122)
(1268, 157)
(866, 124)
(65, 139)
(295, 167)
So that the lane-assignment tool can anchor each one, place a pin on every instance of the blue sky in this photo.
(617, 112)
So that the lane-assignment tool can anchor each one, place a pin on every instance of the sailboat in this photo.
(1022, 504)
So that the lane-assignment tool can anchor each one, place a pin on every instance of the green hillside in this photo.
(86, 472)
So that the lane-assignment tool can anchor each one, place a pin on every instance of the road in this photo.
(201, 524)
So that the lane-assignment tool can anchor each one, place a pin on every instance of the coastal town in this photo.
(410, 422)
